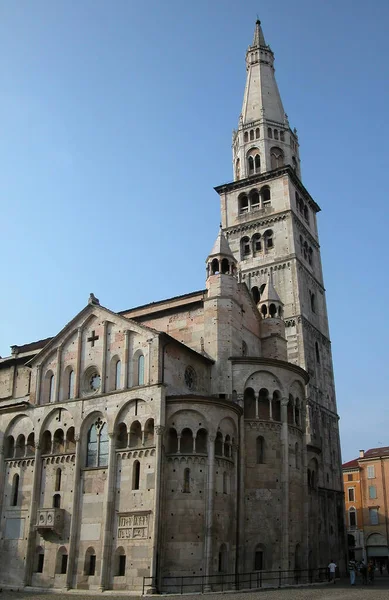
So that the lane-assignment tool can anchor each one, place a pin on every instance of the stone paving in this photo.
(341, 591)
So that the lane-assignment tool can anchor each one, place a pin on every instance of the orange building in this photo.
(366, 488)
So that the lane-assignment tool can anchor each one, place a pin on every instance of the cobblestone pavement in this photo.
(341, 591)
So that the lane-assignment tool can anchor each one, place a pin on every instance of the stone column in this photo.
(126, 353)
(78, 364)
(159, 430)
(270, 409)
(38, 384)
(209, 509)
(58, 375)
(108, 516)
(284, 485)
(304, 479)
(104, 359)
(71, 573)
(31, 536)
(178, 444)
(257, 406)
(2, 478)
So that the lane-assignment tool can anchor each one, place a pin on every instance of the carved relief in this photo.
(133, 526)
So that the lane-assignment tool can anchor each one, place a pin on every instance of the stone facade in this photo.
(196, 435)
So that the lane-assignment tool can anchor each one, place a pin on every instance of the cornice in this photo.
(264, 269)
(260, 222)
(213, 400)
(273, 362)
(286, 170)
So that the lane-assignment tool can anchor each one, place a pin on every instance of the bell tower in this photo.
(269, 220)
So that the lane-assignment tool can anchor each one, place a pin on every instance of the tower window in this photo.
(243, 204)
(71, 385)
(257, 163)
(136, 475)
(58, 477)
(260, 450)
(56, 501)
(251, 165)
(268, 236)
(266, 196)
(313, 301)
(251, 135)
(246, 136)
(269, 133)
(282, 136)
(317, 353)
(257, 133)
(276, 134)
(254, 199)
(276, 158)
(15, 490)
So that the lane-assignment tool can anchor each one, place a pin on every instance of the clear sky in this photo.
(116, 125)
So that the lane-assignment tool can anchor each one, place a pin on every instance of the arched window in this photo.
(257, 133)
(250, 162)
(62, 561)
(294, 164)
(260, 450)
(290, 415)
(39, 559)
(257, 244)
(58, 478)
(30, 449)
(141, 370)
(172, 442)
(243, 202)
(297, 413)
(251, 135)
(58, 442)
(282, 136)
(268, 237)
(310, 253)
(214, 266)
(276, 158)
(201, 441)
(306, 214)
(136, 475)
(90, 562)
(56, 501)
(71, 385)
(317, 353)
(50, 385)
(259, 558)
(15, 490)
(186, 441)
(118, 371)
(257, 163)
(266, 196)
(225, 483)
(135, 435)
(263, 404)
(186, 486)
(244, 247)
(352, 517)
(249, 403)
(149, 433)
(269, 133)
(20, 448)
(313, 301)
(223, 561)
(255, 290)
(97, 445)
(120, 570)
(276, 134)
(70, 441)
(46, 442)
(10, 447)
(219, 444)
(264, 310)
(254, 200)
(227, 446)
(225, 266)
(246, 136)
(272, 310)
(276, 406)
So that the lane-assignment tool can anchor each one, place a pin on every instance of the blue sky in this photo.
(116, 126)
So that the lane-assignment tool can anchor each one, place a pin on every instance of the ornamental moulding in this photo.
(262, 425)
(256, 224)
(265, 270)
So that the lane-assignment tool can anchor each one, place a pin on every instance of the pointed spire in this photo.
(221, 246)
(269, 294)
(259, 39)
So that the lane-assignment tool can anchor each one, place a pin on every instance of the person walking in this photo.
(370, 571)
(332, 571)
(363, 572)
(352, 567)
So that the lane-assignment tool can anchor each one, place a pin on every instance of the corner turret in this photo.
(272, 325)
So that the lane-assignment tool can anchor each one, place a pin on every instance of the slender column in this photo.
(270, 409)
(159, 430)
(257, 406)
(2, 479)
(209, 506)
(178, 444)
(284, 485)
(126, 353)
(108, 516)
(38, 384)
(194, 444)
(36, 487)
(58, 374)
(143, 437)
(104, 359)
(71, 574)
(78, 364)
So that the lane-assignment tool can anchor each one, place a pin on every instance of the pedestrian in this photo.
(363, 571)
(332, 571)
(352, 568)
(370, 572)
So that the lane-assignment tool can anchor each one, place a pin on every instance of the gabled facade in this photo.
(192, 436)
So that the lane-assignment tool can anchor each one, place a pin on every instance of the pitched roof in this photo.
(269, 294)
(221, 246)
(374, 452)
(351, 464)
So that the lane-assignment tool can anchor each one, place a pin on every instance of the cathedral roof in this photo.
(221, 246)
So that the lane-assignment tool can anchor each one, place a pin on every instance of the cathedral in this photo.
(194, 436)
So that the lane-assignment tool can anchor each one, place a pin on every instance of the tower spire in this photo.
(259, 39)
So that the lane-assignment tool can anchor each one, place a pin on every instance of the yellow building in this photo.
(366, 481)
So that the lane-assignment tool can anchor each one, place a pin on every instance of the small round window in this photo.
(190, 378)
(91, 381)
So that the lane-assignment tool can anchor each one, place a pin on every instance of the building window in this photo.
(276, 158)
(58, 477)
(225, 483)
(64, 564)
(266, 196)
(257, 133)
(352, 517)
(15, 490)
(40, 561)
(269, 133)
(97, 446)
(371, 472)
(251, 165)
(351, 494)
(136, 475)
(122, 565)
(71, 385)
(260, 450)
(317, 353)
(251, 135)
(373, 516)
(246, 136)
(312, 301)
(92, 564)
(268, 237)
(186, 486)
(258, 559)
(118, 371)
(349, 477)
(141, 370)
(243, 204)
(56, 501)
(372, 492)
